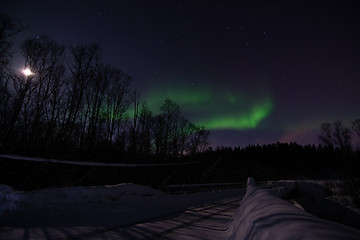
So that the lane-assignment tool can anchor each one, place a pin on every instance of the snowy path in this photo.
(124, 211)
(210, 221)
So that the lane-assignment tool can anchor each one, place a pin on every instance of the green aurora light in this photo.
(214, 109)
(239, 120)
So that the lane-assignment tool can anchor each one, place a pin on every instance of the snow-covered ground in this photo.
(115, 211)
(88, 209)
(106, 206)
(76, 212)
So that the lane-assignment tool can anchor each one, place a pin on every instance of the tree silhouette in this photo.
(356, 128)
(174, 135)
(73, 103)
(45, 59)
(335, 136)
(8, 28)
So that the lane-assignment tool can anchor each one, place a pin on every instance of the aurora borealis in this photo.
(251, 73)
(240, 120)
(214, 109)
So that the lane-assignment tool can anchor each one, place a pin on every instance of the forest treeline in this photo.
(75, 105)
(220, 165)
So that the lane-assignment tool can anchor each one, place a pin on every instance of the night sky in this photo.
(250, 73)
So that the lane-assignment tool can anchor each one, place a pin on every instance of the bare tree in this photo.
(94, 102)
(171, 113)
(8, 28)
(75, 101)
(342, 138)
(81, 66)
(198, 140)
(158, 135)
(18, 117)
(335, 136)
(326, 137)
(117, 101)
(145, 124)
(356, 128)
(135, 124)
(45, 59)
(174, 135)
(185, 131)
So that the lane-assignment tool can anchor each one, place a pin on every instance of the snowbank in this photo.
(8, 200)
(60, 198)
(71, 205)
(263, 215)
(106, 206)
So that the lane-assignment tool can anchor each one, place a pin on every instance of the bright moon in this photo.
(27, 72)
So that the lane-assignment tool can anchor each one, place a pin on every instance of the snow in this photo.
(80, 211)
(123, 204)
(8, 200)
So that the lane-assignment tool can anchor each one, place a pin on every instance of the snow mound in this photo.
(9, 201)
(101, 206)
(263, 215)
(61, 198)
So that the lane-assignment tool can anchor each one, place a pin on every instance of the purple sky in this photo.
(304, 58)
